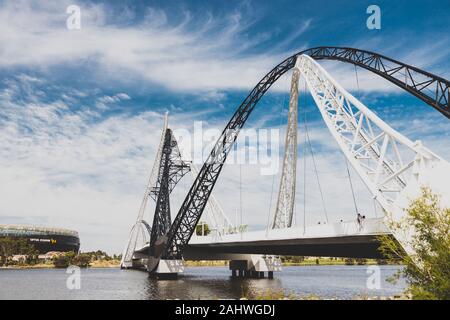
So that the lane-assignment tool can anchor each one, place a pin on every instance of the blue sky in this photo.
(81, 110)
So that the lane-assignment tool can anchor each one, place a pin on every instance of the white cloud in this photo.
(180, 56)
(104, 101)
(204, 55)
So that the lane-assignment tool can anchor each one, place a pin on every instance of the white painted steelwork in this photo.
(284, 210)
(392, 167)
(372, 226)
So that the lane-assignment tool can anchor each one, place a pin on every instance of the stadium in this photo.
(43, 239)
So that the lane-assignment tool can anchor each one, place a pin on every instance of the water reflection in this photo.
(193, 287)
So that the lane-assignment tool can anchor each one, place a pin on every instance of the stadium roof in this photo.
(29, 229)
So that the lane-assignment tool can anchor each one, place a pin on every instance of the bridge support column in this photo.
(255, 265)
(167, 269)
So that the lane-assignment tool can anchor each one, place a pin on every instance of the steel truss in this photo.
(168, 169)
(411, 79)
(432, 89)
(219, 221)
(385, 160)
(171, 169)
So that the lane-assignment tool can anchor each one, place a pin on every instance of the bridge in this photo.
(392, 167)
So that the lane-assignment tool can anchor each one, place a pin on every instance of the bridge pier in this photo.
(254, 266)
(167, 269)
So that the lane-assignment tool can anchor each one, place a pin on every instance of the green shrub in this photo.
(427, 271)
(349, 261)
(82, 260)
(61, 261)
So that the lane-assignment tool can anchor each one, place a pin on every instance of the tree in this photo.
(61, 261)
(6, 250)
(82, 260)
(13, 246)
(202, 228)
(427, 271)
(361, 261)
(349, 261)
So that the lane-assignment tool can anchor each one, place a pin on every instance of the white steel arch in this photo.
(284, 210)
(392, 167)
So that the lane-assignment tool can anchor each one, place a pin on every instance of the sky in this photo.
(81, 110)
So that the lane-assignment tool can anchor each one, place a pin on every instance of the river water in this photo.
(341, 282)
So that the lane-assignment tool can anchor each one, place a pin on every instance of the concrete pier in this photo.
(254, 266)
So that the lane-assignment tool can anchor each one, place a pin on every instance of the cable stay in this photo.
(351, 187)
(314, 163)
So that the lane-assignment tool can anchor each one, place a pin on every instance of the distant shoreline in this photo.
(203, 263)
(52, 267)
(94, 265)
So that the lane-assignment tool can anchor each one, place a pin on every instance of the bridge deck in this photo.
(342, 239)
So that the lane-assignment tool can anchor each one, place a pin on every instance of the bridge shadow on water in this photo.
(191, 286)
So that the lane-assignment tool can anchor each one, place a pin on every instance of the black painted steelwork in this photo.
(171, 169)
(357, 246)
(430, 88)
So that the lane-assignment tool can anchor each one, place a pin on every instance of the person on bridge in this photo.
(359, 218)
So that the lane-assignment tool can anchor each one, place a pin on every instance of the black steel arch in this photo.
(430, 88)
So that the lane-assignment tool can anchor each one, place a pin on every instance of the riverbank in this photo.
(279, 294)
(50, 265)
(310, 261)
